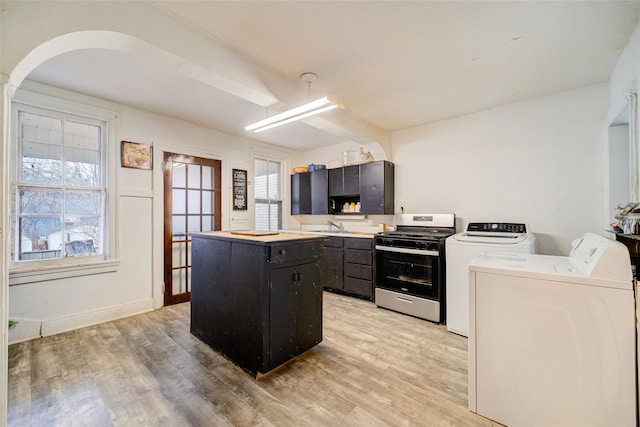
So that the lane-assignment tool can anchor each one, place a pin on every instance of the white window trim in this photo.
(281, 158)
(38, 271)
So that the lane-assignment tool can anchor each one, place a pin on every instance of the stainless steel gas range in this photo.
(410, 265)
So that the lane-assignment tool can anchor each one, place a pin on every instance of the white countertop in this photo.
(360, 234)
(278, 236)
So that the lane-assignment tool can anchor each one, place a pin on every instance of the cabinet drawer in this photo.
(358, 271)
(334, 242)
(359, 243)
(291, 253)
(358, 286)
(358, 257)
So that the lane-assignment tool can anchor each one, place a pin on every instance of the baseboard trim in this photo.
(27, 329)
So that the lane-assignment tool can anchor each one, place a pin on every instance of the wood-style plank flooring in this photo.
(373, 368)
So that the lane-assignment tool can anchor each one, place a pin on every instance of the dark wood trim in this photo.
(167, 169)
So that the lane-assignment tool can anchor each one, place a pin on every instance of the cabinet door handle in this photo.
(283, 252)
(297, 276)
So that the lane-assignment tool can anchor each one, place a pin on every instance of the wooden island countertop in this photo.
(259, 236)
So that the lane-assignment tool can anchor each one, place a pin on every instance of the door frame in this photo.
(167, 261)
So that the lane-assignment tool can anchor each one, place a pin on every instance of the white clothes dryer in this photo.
(552, 338)
(461, 248)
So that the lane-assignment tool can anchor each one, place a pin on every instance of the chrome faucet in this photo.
(335, 224)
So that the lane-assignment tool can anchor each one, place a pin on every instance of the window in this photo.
(62, 209)
(267, 195)
(60, 192)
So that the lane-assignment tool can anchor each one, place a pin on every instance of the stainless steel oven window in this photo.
(410, 273)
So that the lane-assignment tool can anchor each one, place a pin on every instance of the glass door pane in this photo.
(192, 204)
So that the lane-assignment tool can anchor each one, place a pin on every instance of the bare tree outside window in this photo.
(61, 194)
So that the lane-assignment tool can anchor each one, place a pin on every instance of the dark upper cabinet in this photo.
(335, 182)
(310, 193)
(301, 194)
(344, 181)
(376, 188)
(369, 183)
(320, 192)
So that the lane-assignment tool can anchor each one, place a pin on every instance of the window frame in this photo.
(281, 200)
(28, 271)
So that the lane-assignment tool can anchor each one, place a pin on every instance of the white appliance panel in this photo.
(459, 254)
(549, 350)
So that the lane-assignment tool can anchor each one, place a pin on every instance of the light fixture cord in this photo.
(309, 78)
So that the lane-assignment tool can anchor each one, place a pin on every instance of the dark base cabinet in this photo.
(348, 266)
(632, 242)
(331, 272)
(257, 303)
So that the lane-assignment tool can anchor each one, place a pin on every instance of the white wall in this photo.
(624, 76)
(539, 162)
(333, 154)
(623, 81)
(618, 148)
(136, 285)
(54, 306)
(465, 165)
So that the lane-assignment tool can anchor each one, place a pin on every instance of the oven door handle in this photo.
(406, 250)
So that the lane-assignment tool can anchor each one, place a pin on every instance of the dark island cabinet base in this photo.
(296, 313)
(260, 305)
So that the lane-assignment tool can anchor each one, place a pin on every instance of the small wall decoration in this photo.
(239, 190)
(137, 156)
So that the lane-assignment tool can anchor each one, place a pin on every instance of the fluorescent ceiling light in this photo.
(306, 110)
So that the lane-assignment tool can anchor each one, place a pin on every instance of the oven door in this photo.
(408, 271)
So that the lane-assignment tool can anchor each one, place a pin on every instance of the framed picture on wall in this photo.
(137, 156)
(239, 190)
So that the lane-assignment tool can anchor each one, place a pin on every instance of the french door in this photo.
(191, 204)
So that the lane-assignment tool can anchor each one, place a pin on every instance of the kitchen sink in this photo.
(346, 232)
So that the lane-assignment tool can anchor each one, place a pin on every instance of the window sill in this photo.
(21, 276)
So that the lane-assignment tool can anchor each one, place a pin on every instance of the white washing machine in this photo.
(461, 248)
(552, 339)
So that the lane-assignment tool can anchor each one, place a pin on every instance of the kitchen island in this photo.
(256, 297)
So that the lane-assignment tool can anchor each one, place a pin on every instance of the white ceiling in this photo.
(395, 64)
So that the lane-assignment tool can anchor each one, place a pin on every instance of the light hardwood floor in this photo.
(373, 368)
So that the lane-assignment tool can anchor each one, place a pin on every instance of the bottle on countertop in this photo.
(345, 207)
(352, 207)
(358, 207)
